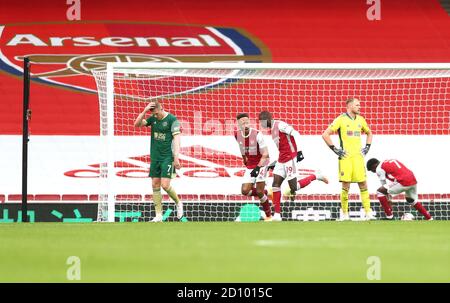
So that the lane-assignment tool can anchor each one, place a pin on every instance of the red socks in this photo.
(422, 210)
(276, 199)
(265, 204)
(385, 204)
(306, 181)
(388, 210)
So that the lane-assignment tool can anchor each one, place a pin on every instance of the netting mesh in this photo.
(206, 101)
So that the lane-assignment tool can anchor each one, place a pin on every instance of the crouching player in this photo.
(403, 180)
(256, 157)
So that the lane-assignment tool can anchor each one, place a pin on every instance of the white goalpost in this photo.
(406, 105)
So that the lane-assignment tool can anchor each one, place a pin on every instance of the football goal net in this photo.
(406, 106)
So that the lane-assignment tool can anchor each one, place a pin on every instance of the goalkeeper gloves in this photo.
(300, 156)
(338, 151)
(255, 172)
(365, 150)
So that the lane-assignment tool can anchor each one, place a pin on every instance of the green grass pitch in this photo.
(416, 251)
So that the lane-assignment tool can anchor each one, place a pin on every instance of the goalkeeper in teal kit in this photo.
(164, 152)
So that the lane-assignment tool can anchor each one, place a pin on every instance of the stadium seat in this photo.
(129, 197)
(47, 197)
(75, 198)
(150, 197)
(186, 197)
(212, 197)
(93, 197)
(19, 197)
(235, 197)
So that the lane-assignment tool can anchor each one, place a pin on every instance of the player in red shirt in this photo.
(256, 157)
(401, 180)
(286, 139)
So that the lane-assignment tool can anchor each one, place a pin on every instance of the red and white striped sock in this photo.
(266, 206)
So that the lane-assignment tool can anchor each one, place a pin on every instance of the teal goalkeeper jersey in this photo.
(162, 137)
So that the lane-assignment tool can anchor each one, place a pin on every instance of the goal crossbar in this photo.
(301, 66)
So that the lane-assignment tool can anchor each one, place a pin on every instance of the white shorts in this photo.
(260, 178)
(396, 188)
(286, 170)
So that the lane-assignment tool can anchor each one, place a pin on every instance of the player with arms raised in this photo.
(164, 151)
(402, 180)
(286, 139)
(255, 155)
(350, 126)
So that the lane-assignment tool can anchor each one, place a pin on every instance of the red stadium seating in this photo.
(186, 197)
(212, 197)
(75, 197)
(150, 198)
(47, 197)
(19, 197)
(235, 197)
(130, 197)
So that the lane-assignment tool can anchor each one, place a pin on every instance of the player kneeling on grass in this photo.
(256, 157)
(402, 180)
(163, 154)
(286, 139)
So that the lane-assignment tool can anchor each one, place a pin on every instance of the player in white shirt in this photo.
(286, 138)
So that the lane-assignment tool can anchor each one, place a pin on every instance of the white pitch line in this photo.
(276, 243)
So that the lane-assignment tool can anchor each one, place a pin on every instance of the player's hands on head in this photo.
(150, 106)
(300, 156)
(365, 150)
(255, 172)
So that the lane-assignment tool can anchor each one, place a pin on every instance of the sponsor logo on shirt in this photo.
(351, 133)
(159, 136)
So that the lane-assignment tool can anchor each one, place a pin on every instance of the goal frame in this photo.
(112, 66)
